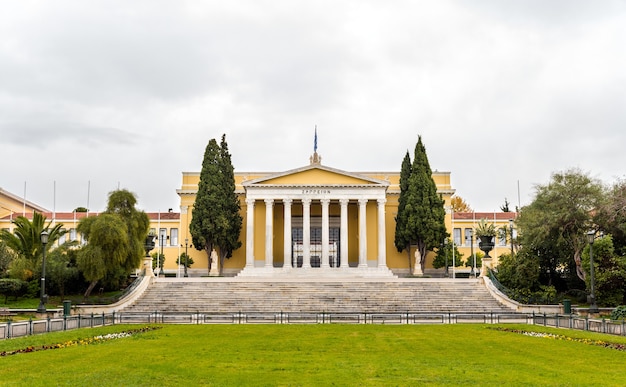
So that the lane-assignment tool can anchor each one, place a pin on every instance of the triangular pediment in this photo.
(313, 175)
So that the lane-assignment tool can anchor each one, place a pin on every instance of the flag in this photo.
(315, 141)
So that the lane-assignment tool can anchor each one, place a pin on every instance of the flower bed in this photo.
(86, 341)
(599, 343)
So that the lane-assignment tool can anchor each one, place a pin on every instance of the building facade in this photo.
(313, 219)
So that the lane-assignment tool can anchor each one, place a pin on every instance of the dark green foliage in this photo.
(62, 274)
(445, 251)
(520, 271)
(619, 313)
(12, 287)
(611, 216)
(184, 259)
(479, 259)
(216, 221)
(423, 213)
(610, 272)
(402, 241)
(158, 260)
(6, 257)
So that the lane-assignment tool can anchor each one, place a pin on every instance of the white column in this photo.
(343, 243)
(382, 237)
(249, 233)
(362, 233)
(287, 234)
(325, 233)
(306, 233)
(269, 232)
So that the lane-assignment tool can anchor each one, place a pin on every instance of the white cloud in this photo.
(130, 93)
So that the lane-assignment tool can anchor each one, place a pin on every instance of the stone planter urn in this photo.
(486, 244)
(147, 261)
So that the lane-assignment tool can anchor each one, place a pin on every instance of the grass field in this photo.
(317, 355)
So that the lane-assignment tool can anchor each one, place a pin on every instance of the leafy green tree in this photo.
(61, 271)
(158, 260)
(402, 240)
(26, 237)
(611, 216)
(610, 272)
(184, 259)
(444, 255)
(553, 227)
(519, 272)
(424, 211)
(6, 257)
(479, 259)
(216, 221)
(114, 240)
(12, 287)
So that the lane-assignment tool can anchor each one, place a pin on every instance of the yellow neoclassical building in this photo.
(314, 219)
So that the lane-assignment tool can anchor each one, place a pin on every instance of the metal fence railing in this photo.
(31, 327)
(583, 323)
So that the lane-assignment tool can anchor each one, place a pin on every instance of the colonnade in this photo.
(306, 203)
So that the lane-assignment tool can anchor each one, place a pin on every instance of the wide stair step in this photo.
(392, 296)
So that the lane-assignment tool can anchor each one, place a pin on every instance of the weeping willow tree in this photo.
(115, 240)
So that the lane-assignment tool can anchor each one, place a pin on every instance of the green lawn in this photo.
(308, 355)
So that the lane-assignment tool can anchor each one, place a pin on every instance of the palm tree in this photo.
(26, 237)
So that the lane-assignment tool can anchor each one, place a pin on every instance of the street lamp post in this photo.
(511, 236)
(471, 232)
(593, 308)
(162, 257)
(445, 252)
(43, 298)
(186, 256)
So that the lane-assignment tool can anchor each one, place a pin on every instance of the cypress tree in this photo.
(216, 222)
(229, 240)
(402, 241)
(424, 211)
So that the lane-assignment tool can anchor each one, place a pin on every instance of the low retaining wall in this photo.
(121, 304)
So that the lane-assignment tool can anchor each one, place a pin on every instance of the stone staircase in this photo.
(332, 296)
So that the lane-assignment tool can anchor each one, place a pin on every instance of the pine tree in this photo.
(402, 240)
(424, 211)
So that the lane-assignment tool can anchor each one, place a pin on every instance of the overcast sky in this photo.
(100, 94)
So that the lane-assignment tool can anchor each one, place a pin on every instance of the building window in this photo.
(457, 236)
(162, 237)
(72, 234)
(62, 237)
(468, 237)
(173, 237)
(503, 233)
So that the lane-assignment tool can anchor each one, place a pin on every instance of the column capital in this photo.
(268, 202)
(363, 201)
(287, 201)
(250, 202)
(344, 202)
(381, 201)
(306, 201)
(325, 201)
